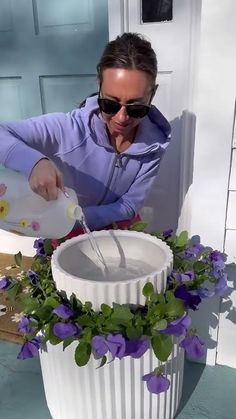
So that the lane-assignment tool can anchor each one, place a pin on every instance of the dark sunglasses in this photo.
(111, 107)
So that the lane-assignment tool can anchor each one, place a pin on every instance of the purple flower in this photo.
(190, 300)
(156, 383)
(167, 234)
(205, 292)
(112, 343)
(5, 282)
(30, 348)
(136, 347)
(66, 330)
(218, 289)
(218, 259)
(116, 345)
(178, 327)
(194, 346)
(183, 277)
(39, 246)
(99, 345)
(33, 277)
(193, 251)
(24, 325)
(63, 311)
(221, 286)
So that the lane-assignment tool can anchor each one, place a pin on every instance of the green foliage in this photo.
(40, 297)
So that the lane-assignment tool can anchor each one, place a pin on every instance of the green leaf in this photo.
(48, 247)
(148, 289)
(54, 340)
(140, 226)
(182, 239)
(121, 313)
(14, 291)
(67, 342)
(175, 308)
(82, 353)
(161, 324)
(199, 267)
(88, 306)
(85, 320)
(44, 312)
(162, 346)
(103, 362)
(134, 332)
(75, 303)
(87, 335)
(106, 310)
(18, 258)
(29, 304)
(50, 301)
(169, 295)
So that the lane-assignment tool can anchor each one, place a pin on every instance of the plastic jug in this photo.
(24, 212)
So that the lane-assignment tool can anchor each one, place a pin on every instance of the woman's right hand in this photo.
(45, 179)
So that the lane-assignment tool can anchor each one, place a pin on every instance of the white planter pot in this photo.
(115, 391)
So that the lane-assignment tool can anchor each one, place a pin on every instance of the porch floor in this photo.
(208, 393)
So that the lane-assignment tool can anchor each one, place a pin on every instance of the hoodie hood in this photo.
(153, 131)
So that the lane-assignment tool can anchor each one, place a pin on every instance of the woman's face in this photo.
(126, 87)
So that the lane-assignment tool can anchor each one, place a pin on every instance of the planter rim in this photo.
(148, 237)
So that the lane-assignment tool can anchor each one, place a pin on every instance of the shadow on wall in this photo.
(207, 317)
(165, 200)
(227, 305)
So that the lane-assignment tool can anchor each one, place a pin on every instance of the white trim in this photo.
(118, 17)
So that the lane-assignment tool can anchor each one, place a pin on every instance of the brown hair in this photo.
(130, 51)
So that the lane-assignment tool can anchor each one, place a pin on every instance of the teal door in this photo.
(48, 54)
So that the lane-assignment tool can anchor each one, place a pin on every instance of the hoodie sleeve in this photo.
(24, 143)
(128, 205)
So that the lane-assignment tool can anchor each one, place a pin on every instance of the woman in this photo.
(108, 151)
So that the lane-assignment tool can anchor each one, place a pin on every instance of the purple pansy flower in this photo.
(30, 348)
(156, 383)
(5, 282)
(218, 289)
(24, 325)
(178, 327)
(112, 343)
(194, 346)
(63, 311)
(116, 345)
(194, 250)
(183, 277)
(167, 234)
(66, 330)
(39, 246)
(99, 345)
(218, 259)
(221, 286)
(136, 347)
(34, 278)
(190, 300)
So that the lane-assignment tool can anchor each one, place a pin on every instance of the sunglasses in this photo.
(111, 107)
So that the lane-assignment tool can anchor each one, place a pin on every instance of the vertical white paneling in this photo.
(231, 211)
(232, 183)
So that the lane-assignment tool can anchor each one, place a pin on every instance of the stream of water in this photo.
(94, 244)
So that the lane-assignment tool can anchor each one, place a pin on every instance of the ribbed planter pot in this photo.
(115, 391)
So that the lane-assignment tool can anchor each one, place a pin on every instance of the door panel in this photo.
(49, 51)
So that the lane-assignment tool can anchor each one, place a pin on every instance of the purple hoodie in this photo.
(110, 186)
